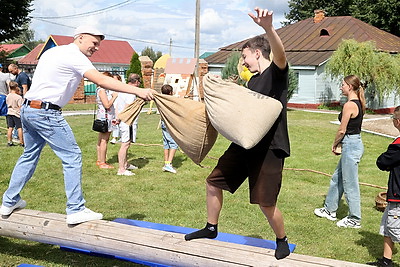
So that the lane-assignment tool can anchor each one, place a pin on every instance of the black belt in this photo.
(39, 104)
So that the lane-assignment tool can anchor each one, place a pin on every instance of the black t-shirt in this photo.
(274, 82)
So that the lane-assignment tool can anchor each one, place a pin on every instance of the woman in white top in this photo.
(105, 111)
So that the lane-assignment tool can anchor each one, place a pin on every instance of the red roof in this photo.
(309, 43)
(9, 47)
(31, 57)
(110, 51)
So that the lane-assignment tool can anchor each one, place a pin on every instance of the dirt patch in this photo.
(380, 124)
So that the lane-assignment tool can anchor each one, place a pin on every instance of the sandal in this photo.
(105, 166)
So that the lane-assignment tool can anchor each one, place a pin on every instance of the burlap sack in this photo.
(239, 114)
(188, 124)
(130, 113)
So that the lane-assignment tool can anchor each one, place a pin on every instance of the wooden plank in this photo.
(145, 244)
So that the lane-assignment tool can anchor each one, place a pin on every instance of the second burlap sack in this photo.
(188, 124)
(239, 114)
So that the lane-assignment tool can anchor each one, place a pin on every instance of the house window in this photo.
(324, 33)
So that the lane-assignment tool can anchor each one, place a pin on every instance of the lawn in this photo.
(179, 199)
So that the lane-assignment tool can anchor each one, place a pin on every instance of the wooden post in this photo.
(144, 244)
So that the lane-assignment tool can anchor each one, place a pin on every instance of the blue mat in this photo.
(231, 238)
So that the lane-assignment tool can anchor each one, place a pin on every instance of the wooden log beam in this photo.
(145, 244)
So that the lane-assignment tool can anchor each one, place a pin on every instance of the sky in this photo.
(164, 25)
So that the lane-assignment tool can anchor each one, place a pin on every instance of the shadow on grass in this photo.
(374, 243)
(178, 160)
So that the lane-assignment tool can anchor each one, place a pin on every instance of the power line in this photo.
(123, 38)
(95, 12)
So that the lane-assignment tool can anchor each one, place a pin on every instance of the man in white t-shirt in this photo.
(125, 130)
(5, 78)
(57, 76)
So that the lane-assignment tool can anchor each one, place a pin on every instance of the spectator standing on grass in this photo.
(262, 164)
(23, 80)
(14, 103)
(127, 132)
(57, 76)
(5, 78)
(115, 133)
(390, 161)
(345, 178)
(105, 111)
(169, 143)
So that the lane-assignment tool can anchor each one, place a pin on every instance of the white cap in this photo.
(88, 29)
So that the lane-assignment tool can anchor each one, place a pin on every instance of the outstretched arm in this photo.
(263, 18)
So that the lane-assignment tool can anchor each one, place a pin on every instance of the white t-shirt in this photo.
(4, 79)
(122, 101)
(58, 74)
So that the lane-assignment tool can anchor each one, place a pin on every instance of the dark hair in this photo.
(258, 42)
(167, 89)
(107, 74)
(118, 77)
(134, 77)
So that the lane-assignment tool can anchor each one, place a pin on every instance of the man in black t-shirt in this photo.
(262, 164)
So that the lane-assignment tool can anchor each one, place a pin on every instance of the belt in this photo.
(39, 104)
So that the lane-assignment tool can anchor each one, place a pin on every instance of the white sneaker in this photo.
(83, 216)
(131, 167)
(8, 210)
(169, 168)
(126, 173)
(324, 213)
(113, 141)
(349, 223)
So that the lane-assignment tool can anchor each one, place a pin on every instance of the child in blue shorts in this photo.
(169, 144)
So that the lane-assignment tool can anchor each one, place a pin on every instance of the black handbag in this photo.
(100, 126)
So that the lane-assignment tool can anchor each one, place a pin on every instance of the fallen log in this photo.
(147, 245)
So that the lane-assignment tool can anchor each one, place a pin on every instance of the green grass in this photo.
(155, 196)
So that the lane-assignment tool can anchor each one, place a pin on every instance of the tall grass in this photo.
(179, 199)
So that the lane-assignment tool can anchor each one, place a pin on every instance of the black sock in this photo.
(386, 261)
(210, 231)
(282, 248)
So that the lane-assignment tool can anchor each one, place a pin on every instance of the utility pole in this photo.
(170, 47)
(197, 30)
(196, 52)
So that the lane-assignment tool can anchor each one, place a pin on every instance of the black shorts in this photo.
(13, 121)
(263, 168)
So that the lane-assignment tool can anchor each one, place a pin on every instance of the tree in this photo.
(13, 16)
(26, 37)
(379, 71)
(383, 14)
(135, 67)
(148, 51)
(230, 71)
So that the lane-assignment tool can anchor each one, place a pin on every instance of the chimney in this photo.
(319, 15)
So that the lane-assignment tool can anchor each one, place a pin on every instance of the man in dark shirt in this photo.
(23, 80)
(262, 164)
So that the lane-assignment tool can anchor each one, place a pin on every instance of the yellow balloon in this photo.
(245, 74)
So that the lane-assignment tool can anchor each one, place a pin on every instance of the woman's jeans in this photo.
(41, 126)
(345, 178)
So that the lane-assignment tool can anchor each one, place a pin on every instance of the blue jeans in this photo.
(41, 126)
(345, 178)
